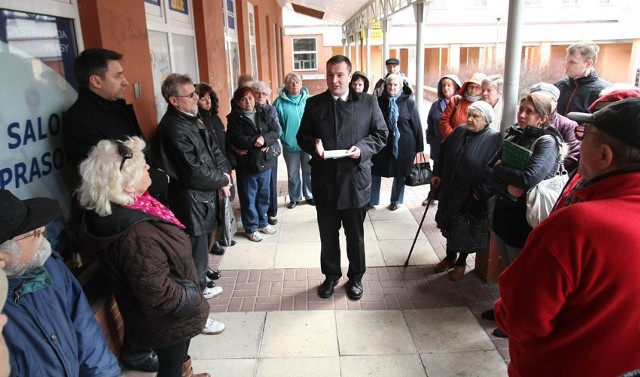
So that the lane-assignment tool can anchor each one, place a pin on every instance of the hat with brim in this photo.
(20, 216)
(393, 61)
(621, 120)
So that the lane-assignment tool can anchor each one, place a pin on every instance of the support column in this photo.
(368, 65)
(358, 44)
(634, 63)
(386, 28)
(545, 54)
(454, 58)
(419, 12)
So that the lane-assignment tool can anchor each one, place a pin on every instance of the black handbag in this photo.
(420, 173)
(468, 234)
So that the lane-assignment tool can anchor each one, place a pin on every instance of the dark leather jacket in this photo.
(242, 133)
(196, 166)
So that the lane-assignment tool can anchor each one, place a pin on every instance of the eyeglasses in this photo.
(261, 94)
(190, 95)
(125, 152)
(35, 234)
(580, 131)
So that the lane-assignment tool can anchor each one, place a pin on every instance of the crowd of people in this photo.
(151, 212)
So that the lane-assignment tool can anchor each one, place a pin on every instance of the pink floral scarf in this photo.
(148, 204)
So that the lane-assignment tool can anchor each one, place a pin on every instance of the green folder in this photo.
(514, 156)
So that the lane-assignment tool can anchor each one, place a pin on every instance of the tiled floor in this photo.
(410, 322)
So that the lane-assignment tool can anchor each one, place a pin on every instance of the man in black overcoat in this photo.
(341, 130)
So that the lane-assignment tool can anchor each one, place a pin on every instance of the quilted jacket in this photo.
(149, 266)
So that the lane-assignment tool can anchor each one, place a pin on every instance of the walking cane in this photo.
(429, 200)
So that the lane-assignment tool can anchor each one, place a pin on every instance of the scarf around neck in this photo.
(393, 121)
(148, 204)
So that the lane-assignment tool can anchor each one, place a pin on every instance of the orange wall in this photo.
(212, 61)
(120, 25)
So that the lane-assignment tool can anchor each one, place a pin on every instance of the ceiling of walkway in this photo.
(332, 11)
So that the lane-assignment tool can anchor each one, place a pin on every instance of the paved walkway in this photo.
(410, 321)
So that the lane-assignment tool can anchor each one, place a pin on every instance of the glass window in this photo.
(305, 55)
(37, 53)
(231, 14)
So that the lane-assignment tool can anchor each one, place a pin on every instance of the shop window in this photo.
(305, 54)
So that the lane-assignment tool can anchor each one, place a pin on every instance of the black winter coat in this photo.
(344, 182)
(462, 169)
(196, 166)
(243, 133)
(214, 125)
(509, 217)
(578, 95)
(91, 119)
(411, 138)
(149, 266)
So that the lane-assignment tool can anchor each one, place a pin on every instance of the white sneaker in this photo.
(213, 327)
(267, 230)
(255, 237)
(212, 292)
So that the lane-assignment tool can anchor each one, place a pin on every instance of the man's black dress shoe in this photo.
(354, 289)
(292, 205)
(213, 275)
(325, 290)
(141, 361)
(272, 220)
(310, 202)
(393, 207)
(217, 249)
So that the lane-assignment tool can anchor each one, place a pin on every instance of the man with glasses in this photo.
(198, 171)
(569, 302)
(582, 85)
(100, 112)
(51, 329)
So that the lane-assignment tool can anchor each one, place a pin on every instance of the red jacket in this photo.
(571, 301)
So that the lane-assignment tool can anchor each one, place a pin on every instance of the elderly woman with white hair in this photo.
(460, 174)
(144, 252)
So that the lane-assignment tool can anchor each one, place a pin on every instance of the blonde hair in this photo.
(102, 180)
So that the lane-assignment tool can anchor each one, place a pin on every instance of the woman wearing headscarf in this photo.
(455, 113)
(405, 139)
(509, 216)
(461, 179)
(359, 82)
(144, 252)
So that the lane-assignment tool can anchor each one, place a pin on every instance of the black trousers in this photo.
(200, 253)
(330, 220)
(171, 359)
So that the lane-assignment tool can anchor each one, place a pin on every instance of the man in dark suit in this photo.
(350, 125)
(100, 112)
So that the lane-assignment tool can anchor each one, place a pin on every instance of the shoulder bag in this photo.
(420, 172)
(542, 197)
